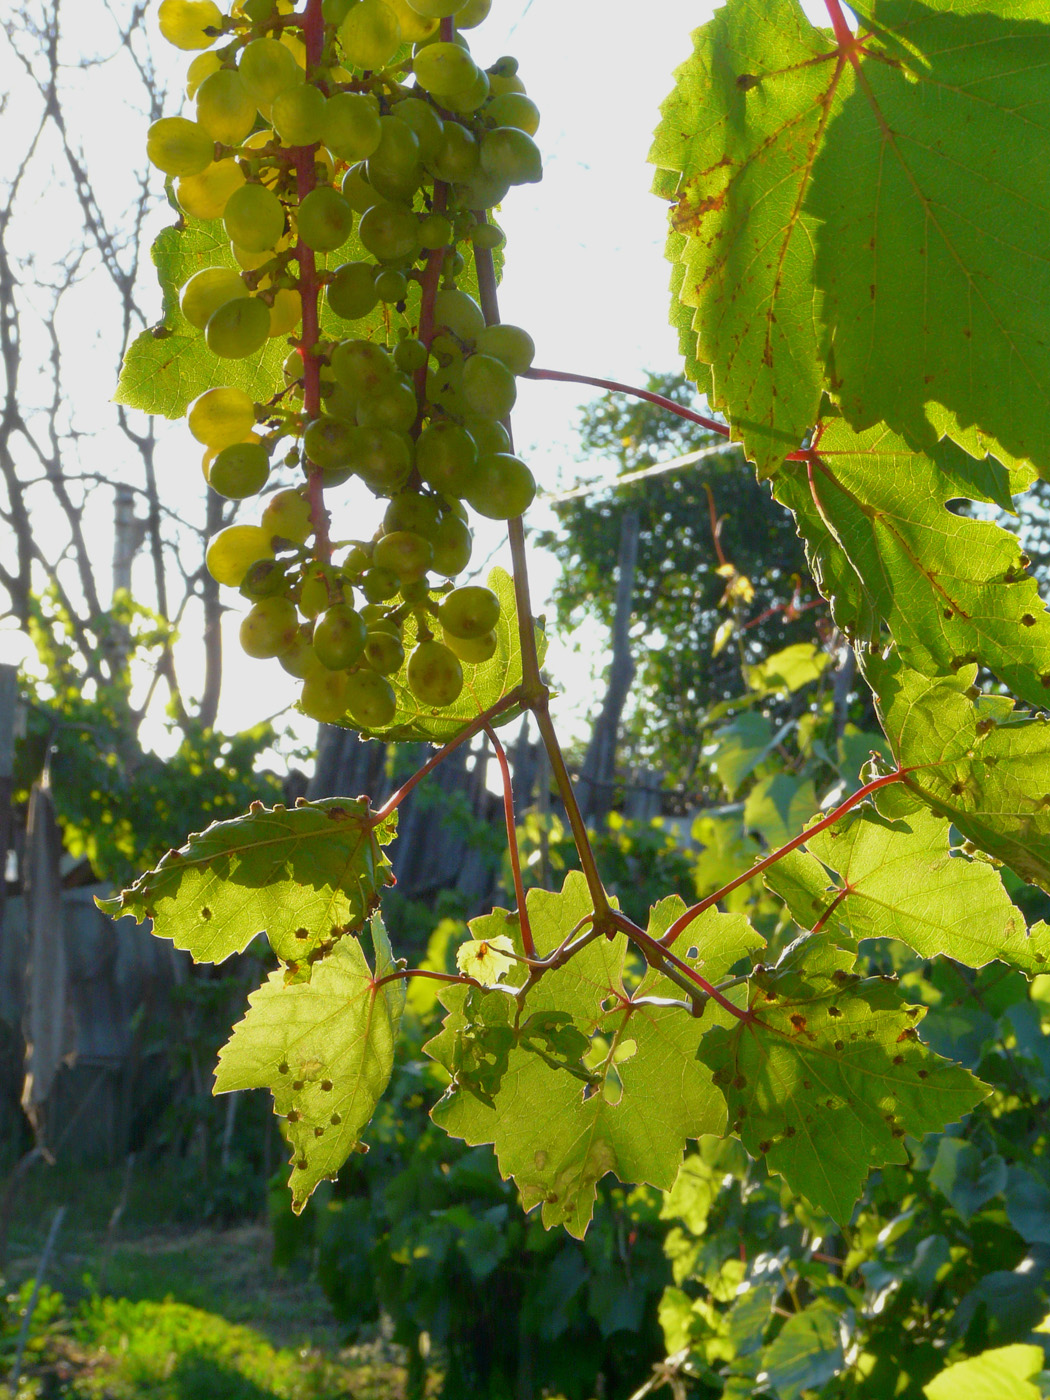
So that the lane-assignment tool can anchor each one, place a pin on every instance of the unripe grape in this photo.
(298, 113)
(339, 637)
(452, 544)
(335, 11)
(411, 510)
(397, 154)
(435, 231)
(510, 345)
(469, 612)
(370, 34)
(299, 660)
(444, 69)
(481, 192)
(287, 517)
(379, 584)
(370, 699)
(328, 442)
(436, 9)
(390, 233)
(424, 121)
(486, 236)
(415, 590)
(257, 10)
(352, 291)
(446, 457)
(225, 108)
(179, 147)
(383, 459)
(459, 313)
(323, 696)
(511, 155)
(356, 190)
(269, 628)
(204, 196)
(474, 96)
(409, 355)
(233, 551)
(267, 67)
(474, 650)
(361, 366)
(473, 13)
(394, 406)
(220, 417)
(503, 487)
(434, 674)
(184, 22)
(200, 68)
(265, 579)
(325, 219)
(254, 218)
(489, 435)
(350, 128)
(238, 328)
(286, 312)
(457, 156)
(391, 285)
(414, 28)
(405, 554)
(514, 109)
(240, 470)
(488, 387)
(383, 651)
(206, 291)
(503, 79)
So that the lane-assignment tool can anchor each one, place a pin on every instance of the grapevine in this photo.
(336, 329)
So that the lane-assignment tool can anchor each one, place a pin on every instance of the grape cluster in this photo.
(369, 115)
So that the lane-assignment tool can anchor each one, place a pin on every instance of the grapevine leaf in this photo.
(1004, 1373)
(968, 1177)
(713, 943)
(560, 1125)
(900, 879)
(485, 960)
(740, 130)
(737, 748)
(931, 245)
(807, 1351)
(304, 875)
(829, 1076)
(325, 1050)
(484, 683)
(777, 806)
(975, 762)
(950, 589)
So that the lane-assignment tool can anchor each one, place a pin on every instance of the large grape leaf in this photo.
(734, 149)
(951, 589)
(484, 684)
(975, 761)
(325, 1050)
(304, 875)
(829, 1076)
(900, 879)
(553, 1134)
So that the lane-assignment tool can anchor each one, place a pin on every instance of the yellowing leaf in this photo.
(486, 960)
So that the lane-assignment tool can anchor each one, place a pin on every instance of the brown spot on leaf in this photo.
(834, 1011)
(1027, 620)
(326, 1084)
(205, 913)
(764, 1145)
(840, 1045)
(746, 81)
(335, 1120)
(898, 1059)
(799, 1022)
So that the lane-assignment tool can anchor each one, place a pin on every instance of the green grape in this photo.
(232, 552)
(446, 456)
(297, 114)
(481, 192)
(267, 68)
(254, 218)
(514, 109)
(490, 435)
(323, 696)
(286, 311)
(370, 699)
(397, 153)
(225, 108)
(409, 355)
(436, 9)
(206, 291)
(328, 442)
(383, 651)
(392, 286)
(486, 236)
(379, 584)
(259, 10)
(358, 558)
(356, 190)
(474, 97)
(335, 11)
(394, 406)
(184, 22)
(488, 387)
(325, 219)
(434, 674)
(370, 35)
(511, 155)
(339, 637)
(219, 417)
(383, 459)
(240, 470)
(405, 554)
(316, 592)
(414, 28)
(444, 69)
(503, 487)
(265, 579)
(424, 121)
(375, 613)
(457, 156)
(199, 69)
(238, 328)
(269, 628)
(362, 367)
(452, 544)
(292, 368)
(435, 231)
(299, 660)
(459, 313)
(390, 233)
(503, 77)
(474, 649)
(352, 291)
(509, 344)
(415, 591)
(287, 517)
(351, 128)
(473, 13)
(410, 510)
(469, 612)
(204, 196)
(179, 147)
(338, 403)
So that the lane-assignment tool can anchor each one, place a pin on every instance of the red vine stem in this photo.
(653, 945)
(513, 697)
(849, 45)
(404, 973)
(830, 910)
(430, 280)
(615, 387)
(527, 942)
(684, 920)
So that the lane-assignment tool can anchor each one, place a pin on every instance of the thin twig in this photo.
(512, 844)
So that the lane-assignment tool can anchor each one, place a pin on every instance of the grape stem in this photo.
(677, 971)
(615, 387)
(527, 942)
(430, 280)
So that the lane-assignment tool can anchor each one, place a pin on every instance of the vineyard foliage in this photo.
(861, 289)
